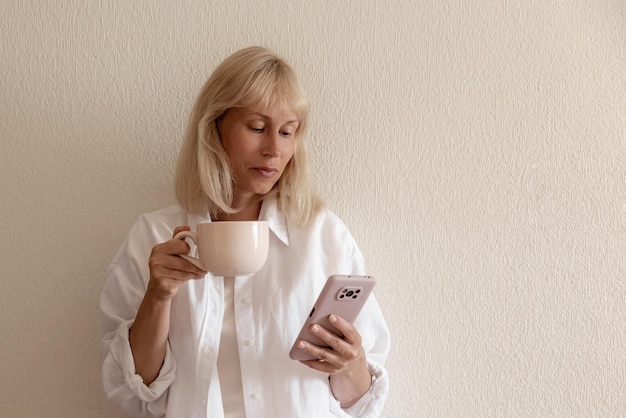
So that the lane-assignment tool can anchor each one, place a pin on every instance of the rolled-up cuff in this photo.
(122, 377)
(371, 404)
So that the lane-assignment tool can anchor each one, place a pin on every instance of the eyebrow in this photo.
(268, 117)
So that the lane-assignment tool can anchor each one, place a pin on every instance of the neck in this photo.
(248, 212)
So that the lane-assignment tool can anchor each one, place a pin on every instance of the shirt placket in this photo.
(210, 335)
(248, 346)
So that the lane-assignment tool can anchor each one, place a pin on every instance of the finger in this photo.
(325, 367)
(324, 353)
(164, 283)
(162, 273)
(349, 331)
(175, 262)
(173, 246)
(181, 229)
(172, 262)
(330, 338)
(341, 352)
(324, 356)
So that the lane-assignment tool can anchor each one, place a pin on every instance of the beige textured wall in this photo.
(475, 149)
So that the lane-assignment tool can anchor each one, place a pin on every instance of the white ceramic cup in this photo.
(229, 248)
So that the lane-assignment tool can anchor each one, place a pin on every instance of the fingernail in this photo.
(332, 318)
(300, 344)
(315, 328)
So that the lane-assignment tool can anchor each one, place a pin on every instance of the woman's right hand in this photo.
(168, 270)
(149, 333)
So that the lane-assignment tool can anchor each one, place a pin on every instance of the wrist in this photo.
(360, 374)
(350, 386)
(157, 295)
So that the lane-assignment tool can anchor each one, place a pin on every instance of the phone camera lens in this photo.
(350, 293)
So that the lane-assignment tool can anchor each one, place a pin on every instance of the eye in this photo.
(256, 129)
(286, 134)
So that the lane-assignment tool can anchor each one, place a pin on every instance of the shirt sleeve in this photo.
(371, 404)
(126, 388)
(376, 343)
(120, 298)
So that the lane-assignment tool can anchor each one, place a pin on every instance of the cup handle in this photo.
(193, 236)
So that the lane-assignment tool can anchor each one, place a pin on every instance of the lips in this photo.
(266, 171)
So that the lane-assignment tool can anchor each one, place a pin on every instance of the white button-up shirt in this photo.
(270, 308)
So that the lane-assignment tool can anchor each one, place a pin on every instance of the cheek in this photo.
(287, 158)
(237, 148)
(289, 150)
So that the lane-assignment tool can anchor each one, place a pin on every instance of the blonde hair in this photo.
(251, 76)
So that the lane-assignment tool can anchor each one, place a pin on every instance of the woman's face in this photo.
(259, 143)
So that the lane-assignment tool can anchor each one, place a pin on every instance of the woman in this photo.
(180, 342)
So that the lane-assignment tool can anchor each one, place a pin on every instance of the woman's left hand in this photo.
(345, 362)
(346, 353)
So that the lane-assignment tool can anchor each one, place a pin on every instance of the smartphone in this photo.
(341, 295)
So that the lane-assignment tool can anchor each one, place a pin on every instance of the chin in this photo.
(263, 189)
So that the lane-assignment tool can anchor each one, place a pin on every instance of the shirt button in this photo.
(246, 300)
(248, 342)
(256, 396)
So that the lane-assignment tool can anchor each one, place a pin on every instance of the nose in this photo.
(271, 145)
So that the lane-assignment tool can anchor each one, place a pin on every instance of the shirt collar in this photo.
(275, 218)
(270, 212)
(194, 219)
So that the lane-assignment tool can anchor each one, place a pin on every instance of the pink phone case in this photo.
(341, 295)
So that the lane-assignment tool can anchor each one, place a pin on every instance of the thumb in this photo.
(181, 229)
